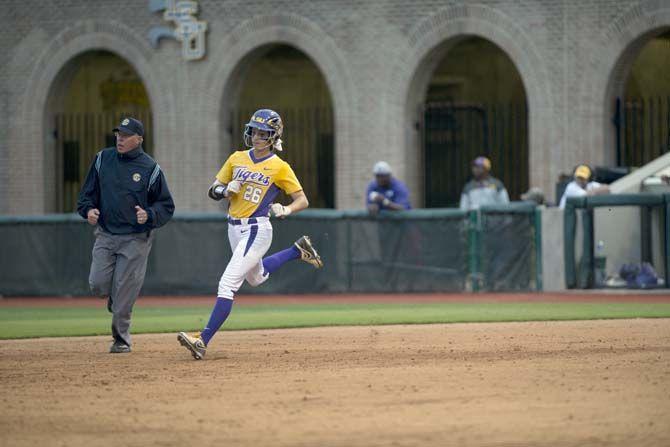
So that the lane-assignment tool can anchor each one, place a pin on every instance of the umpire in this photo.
(126, 196)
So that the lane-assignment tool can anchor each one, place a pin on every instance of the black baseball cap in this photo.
(131, 126)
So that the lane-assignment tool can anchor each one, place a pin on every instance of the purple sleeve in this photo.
(402, 196)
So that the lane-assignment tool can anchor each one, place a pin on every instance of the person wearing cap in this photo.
(483, 188)
(125, 196)
(386, 193)
(581, 186)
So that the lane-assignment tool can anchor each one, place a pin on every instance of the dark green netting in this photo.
(508, 251)
(45, 257)
(413, 251)
(421, 254)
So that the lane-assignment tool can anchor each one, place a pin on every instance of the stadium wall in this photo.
(572, 56)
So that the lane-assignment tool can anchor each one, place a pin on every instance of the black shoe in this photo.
(109, 305)
(119, 348)
(308, 252)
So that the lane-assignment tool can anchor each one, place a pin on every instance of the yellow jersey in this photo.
(261, 181)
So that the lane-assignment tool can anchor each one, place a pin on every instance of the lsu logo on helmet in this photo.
(269, 121)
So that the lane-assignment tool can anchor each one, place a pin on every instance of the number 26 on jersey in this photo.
(252, 194)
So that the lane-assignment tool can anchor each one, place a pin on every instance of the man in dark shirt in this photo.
(126, 195)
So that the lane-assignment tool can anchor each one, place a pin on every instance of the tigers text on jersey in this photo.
(261, 181)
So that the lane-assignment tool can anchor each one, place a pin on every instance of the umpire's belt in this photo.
(247, 221)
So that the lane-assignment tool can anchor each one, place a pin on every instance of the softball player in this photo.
(251, 180)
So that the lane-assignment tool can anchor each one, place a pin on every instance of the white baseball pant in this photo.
(249, 243)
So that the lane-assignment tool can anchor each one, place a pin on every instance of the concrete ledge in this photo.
(633, 182)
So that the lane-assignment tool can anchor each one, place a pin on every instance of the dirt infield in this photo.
(581, 296)
(547, 383)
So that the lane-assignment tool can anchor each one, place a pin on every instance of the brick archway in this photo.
(223, 81)
(29, 135)
(605, 79)
(431, 38)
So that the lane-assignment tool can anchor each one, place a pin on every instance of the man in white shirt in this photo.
(483, 188)
(581, 186)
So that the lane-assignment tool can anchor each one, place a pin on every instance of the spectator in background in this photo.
(386, 193)
(581, 186)
(483, 189)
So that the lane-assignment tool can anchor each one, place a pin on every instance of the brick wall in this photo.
(375, 56)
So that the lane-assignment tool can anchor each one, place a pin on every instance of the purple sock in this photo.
(219, 314)
(273, 262)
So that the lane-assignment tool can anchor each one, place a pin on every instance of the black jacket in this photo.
(117, 182)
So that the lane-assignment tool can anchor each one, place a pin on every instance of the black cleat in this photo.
(308, 253)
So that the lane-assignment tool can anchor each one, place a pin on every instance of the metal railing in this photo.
(582, 275)
(454, 134)
(79, 136)
(309, 146)
(642, 129)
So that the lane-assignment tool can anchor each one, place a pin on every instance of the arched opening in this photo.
(87, 100)
(285, 79)
(642, 107)
(475, 104)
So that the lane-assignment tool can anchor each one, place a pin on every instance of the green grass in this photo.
(25, 322)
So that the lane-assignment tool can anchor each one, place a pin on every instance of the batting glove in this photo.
(233, 187)
(279, 210)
